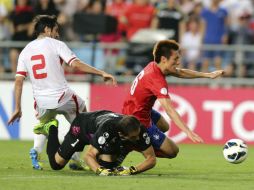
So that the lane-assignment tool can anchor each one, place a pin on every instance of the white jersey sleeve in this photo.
(65, 53)
(21, 68)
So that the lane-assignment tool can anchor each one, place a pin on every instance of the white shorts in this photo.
(70, 110)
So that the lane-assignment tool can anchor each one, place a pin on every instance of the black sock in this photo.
(52, 147)
(53, 142)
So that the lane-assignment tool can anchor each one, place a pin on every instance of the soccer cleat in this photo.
(38, 128)
(40, 160)
(101, 171)
(76, 165)
(34, 157)
(43, 128)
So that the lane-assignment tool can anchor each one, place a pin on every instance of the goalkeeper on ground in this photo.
(111, 136)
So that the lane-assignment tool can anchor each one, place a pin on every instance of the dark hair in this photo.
(42, 21)
(28, 2)
(128, 124)
(164, 48)
(91, 3)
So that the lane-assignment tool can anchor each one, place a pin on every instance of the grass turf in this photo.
(197, 167)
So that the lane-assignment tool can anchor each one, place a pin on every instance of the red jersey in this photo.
(118, 10)
(149, 85)
(138, 16)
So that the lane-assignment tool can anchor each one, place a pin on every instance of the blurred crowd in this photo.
(193, 23)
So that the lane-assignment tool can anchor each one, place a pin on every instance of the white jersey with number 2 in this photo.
(42, 60)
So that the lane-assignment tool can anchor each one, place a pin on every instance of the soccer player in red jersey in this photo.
(149, 85)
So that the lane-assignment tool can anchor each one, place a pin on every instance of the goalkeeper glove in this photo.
(133, 170)
(104, 171)
(124, 171)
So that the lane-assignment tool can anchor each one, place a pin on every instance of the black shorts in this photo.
(71, 144)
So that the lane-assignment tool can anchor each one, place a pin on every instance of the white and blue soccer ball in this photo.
(235, 151)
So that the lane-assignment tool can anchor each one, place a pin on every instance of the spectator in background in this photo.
(235, 9)
(197, 9)
(96, 57)
(21, 18)
(3, 27)
(205, 3)
(138, 15)
(7, 4)
(117, 9)
(67, 9)
(243, 35)
(191, 42)
(95, 6)
(155, 2)
(238, 33)
(215, 33)
(45, 7)
(4, 32)
(187, 6)
(169, 17)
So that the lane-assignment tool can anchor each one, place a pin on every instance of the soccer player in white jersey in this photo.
(42, 60)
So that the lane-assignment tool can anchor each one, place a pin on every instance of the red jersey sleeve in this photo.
(159, 87)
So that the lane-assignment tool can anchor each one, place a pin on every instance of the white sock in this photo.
(39, 142)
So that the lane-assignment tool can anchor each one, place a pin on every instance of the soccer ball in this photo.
(235, 151)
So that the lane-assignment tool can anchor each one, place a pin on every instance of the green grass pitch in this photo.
(197, 167)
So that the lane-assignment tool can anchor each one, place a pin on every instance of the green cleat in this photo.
(43, 128)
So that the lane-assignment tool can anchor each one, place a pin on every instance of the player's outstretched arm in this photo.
(90, 158)
(81, 66)
(148, 163)
(18, 91)
(187, 73)
(172, 113)
(91, 161)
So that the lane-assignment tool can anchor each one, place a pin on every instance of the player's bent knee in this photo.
(55, 166)
(55, 163)
(174, 153)
(168, 149)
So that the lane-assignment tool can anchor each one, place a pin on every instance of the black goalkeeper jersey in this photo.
(100, 129)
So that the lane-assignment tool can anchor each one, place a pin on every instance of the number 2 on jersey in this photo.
(135, 82)
(39, 65)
